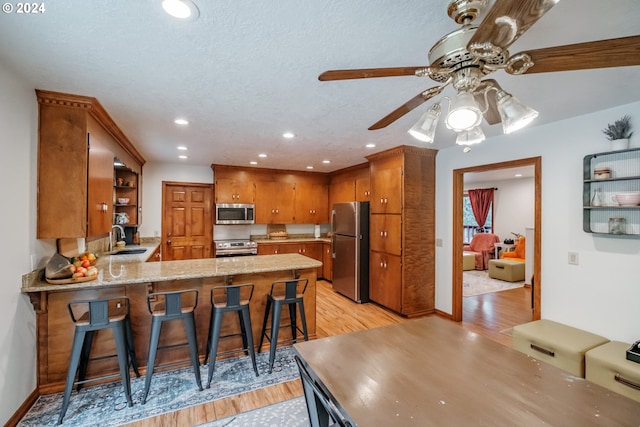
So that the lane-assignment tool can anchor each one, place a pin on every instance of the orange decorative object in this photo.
(518, 254)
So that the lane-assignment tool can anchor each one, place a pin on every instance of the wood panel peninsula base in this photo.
(126, 275)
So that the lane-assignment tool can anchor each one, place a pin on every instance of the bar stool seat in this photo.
(168, 306)
(225, 299)
(289, 293)
(99, 314)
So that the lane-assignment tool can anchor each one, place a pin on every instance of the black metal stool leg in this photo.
(76, 350)
(130, 347)
(243, 332)
(303, 320)
(120, 335)
(267, 310)
(156, 326)
(215, 338)
(84, 358)
(248, 336)
(294, 322)
(190, 326)
(275, 327)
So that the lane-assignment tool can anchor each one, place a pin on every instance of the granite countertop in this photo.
(128, 269)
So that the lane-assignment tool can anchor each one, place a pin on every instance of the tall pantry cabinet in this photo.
(402, 229)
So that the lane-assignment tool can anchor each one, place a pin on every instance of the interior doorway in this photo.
(458, 230)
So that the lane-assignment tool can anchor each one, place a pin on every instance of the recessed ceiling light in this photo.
(518, 175)
(370, 145)
(181, 9)
(309, 167)
(466, 149)
(253, 162)
(326, 161)
(183, 157)
(181, 122)
(262, 155)
(288, 135)
(182, 148)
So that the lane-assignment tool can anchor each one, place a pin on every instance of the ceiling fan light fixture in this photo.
(425, 129)
(513, 114)
(470, 137)
(464, 113)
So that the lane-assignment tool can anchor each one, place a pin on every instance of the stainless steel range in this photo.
(226, 248)
(233, 240)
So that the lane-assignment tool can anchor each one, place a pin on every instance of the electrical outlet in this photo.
(439, 242)
(573, 258)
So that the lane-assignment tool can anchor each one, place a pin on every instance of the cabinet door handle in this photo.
(382, 234)
(385, 234)
(381, 264)
(381, 201)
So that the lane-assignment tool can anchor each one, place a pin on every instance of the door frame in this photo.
(458, 230)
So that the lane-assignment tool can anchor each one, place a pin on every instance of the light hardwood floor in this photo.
(487, 315)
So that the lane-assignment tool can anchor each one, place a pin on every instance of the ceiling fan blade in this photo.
(621, 52)
(491, 116)
(506, 21)
(414, 102)
(365, 73)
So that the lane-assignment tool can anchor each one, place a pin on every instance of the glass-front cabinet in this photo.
(611, 193)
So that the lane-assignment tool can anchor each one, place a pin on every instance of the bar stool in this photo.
(167, 306)
(289, 293)
(228, 299)
(99, 314)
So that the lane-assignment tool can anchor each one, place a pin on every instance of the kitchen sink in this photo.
(130, 251)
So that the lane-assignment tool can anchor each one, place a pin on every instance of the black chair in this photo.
(289, 293)
(322, 411)
(168, 306)
(99, 314)
(226, 299)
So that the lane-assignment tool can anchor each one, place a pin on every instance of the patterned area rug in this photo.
(476, 282)
(290, 413)
(104, 405)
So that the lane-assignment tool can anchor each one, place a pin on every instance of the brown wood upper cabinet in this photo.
(349, 185)
(77, 143)
(280, 196)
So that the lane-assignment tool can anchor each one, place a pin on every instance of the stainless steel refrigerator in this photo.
(350, 245)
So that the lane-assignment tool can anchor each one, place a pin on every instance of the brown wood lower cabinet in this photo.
(385, 280)
(327, 261)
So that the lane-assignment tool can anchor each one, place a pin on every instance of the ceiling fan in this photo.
(465, 56)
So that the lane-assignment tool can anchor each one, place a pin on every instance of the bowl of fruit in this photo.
(62, 270)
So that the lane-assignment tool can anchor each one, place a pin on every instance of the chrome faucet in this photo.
(122, 235)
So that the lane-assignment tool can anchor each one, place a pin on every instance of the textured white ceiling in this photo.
(246, 71)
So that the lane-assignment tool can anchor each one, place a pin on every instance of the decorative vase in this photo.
(596, 200)
(619, 144)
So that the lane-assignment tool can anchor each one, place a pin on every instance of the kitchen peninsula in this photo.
(130, 275)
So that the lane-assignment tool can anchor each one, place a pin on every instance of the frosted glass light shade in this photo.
(514, 114)
(181, 9)
(425, 129)
(470, 137)
(464, 113)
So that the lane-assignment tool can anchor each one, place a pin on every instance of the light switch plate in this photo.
(573, 258)
(439, 242)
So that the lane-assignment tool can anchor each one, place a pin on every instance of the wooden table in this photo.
(432, 372)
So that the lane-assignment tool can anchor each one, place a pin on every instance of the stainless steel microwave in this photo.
(235, 213)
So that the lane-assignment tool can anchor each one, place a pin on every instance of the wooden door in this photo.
(187, 230)
(311, 203)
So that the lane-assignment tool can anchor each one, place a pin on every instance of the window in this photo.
(469, 221)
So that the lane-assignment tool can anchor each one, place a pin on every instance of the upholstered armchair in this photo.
(482, 246)
(518, 254)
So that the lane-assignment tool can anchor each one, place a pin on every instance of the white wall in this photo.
(513, 208)
(18, 139)
(600, 294)
(152, 176)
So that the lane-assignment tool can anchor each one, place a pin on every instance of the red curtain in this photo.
(481, 200)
